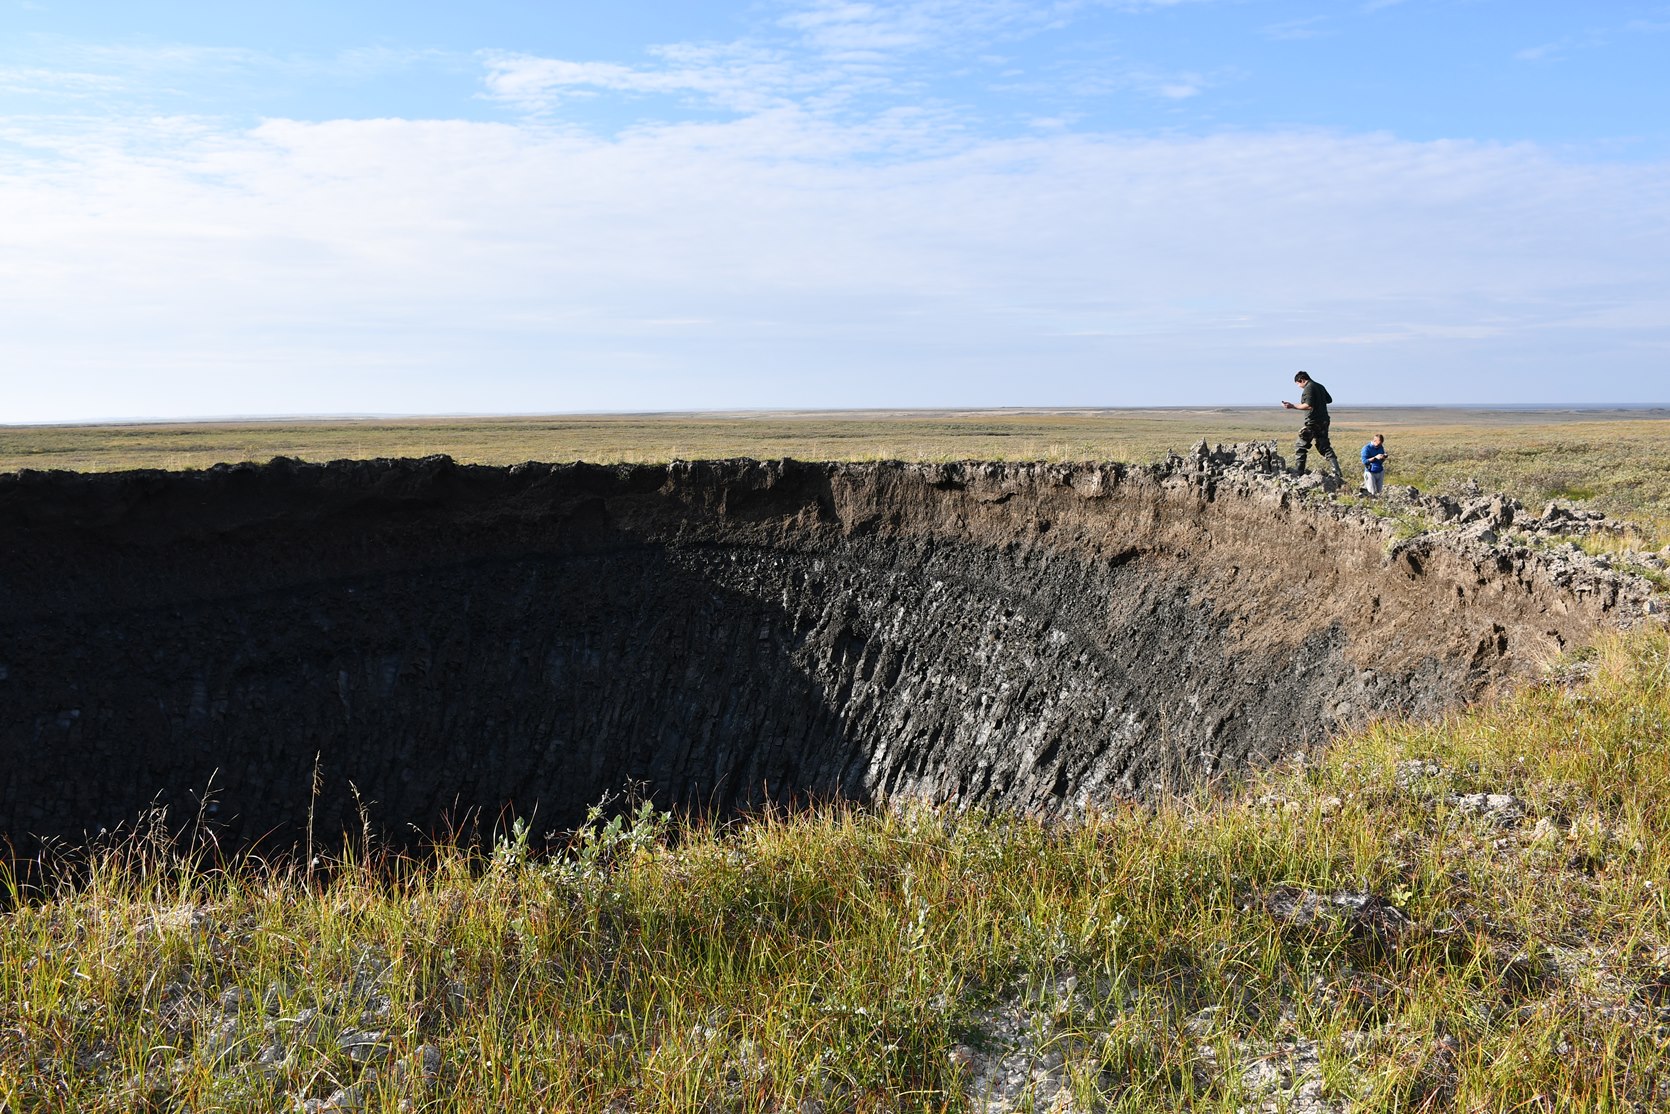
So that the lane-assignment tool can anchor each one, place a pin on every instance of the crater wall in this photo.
(457, 641)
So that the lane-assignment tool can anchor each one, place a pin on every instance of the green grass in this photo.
(862, 960)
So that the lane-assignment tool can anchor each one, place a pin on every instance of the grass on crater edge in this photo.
(1612, 460)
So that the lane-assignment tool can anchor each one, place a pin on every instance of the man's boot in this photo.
(1298, 468)
(1334, 460)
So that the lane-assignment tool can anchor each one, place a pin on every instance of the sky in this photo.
(417, 207)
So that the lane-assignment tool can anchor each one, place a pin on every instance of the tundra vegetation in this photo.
(1467, 913)
(1612, 460)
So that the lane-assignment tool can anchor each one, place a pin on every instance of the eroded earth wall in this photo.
(458, 642)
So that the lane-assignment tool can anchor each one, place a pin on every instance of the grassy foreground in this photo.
(1463, 915)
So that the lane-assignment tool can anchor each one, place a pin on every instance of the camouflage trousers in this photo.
(1316, 432)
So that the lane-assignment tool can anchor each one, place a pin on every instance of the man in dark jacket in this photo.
(1313, 399)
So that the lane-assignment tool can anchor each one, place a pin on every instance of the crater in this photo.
(446, 643)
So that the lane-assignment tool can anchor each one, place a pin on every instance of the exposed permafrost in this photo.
(457, 641)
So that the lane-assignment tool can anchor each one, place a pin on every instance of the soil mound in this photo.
(455, 641)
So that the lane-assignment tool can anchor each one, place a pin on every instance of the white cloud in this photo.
(167, 266)
(1541, 52)
(737, 78)
(128, 77)
(890, 32)
(854, 28)
(831, 54)
(1109, 76)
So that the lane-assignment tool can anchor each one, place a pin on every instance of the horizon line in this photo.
(533, 415)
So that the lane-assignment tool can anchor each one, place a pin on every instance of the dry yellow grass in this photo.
(1611, 459)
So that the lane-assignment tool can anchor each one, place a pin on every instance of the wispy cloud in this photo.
(1310, 27)
(127, 77)
(1068, 87)
(1167, 85)
(41, 81)
(736, 77)
(1591, 38)
(1542, 51)
(845, 27)
(826, 55)
(84, 75)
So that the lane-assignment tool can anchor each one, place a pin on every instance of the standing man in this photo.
(1374, 465)
(1313, 399)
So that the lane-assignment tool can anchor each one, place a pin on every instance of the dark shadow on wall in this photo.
(439, 696)
(718, 678)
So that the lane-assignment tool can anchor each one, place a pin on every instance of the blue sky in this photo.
(316, 208)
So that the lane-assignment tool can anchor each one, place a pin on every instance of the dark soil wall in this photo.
(457, 640)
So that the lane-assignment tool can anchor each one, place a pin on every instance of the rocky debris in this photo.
(1281, 1078)
(267, 1044)
(1500, 809)
(1495, 513)
(1369, 918)
(1019, 1063)
(1029, 1052)
(364, 1045)
(1323, 482)
(1426, 778)
(1557, 518)
(1472, 523)
(1490, 518)
(1257, 457)
(193, 920)
(1287, 1078)
(1416, 773)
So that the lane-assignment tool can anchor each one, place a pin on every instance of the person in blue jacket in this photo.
(1374, 465)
